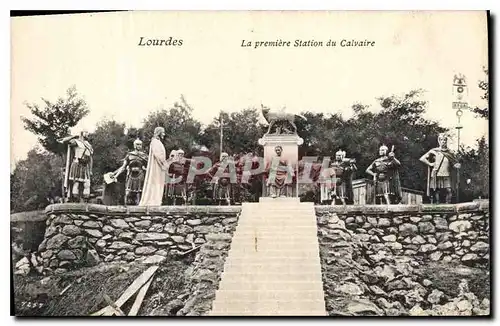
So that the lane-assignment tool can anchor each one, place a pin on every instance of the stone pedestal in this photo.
(290, 145)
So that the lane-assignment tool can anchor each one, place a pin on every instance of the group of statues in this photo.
(153, 179)
(442, 164)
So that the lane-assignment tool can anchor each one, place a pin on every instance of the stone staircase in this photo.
(273, 267)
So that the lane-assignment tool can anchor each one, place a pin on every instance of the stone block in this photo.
(66, 255)
(56, 241)
(93, 233)
(148, 236)
(119, 223)
(426, 227)
(92, 224)
(408, 229)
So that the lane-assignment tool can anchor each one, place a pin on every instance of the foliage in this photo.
(241, 132)
(182, 130)
(476, 168)
(399, 123)
(36, 180)
(54, 120)
(111, 145)
(484, 85)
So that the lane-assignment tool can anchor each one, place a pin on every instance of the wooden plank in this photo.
(129, 292)
(136, 285)
(355, 195)
(138, 300)
(189, 251)
(106, 311)
(115, 309)
(65, 289)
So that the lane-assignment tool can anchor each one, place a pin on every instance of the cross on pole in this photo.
(221, 131)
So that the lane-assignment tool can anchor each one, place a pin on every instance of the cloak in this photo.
(431, 174)
(154, 182)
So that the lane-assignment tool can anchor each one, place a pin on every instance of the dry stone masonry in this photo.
(362, 277)
(80, 235)
(370, 255)
(434, 232)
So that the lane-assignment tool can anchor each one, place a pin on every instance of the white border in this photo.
(196, 5)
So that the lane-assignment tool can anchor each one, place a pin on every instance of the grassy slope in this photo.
(85, 295)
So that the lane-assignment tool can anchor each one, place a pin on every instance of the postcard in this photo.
(250, 163)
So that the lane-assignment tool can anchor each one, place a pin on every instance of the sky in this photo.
(120, 80)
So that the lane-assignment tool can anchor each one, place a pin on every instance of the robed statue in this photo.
(385, 172)
(443, 167)
(154, 181)
(135, 164)
(78, 167)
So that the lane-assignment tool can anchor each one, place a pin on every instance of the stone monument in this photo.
(282, 132)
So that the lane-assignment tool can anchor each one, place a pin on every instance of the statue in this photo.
(281, 121)
(154, 181)
(385, 172)
(337, 180)
(177, 188)
(135, 164)
(249, 185)
(222, 187)
(279, 172)
(441, 162)
(78, 167)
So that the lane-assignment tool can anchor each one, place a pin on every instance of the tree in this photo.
(476, 161)
(182, 130)
(400, 123)
(35, 180)
(110, 144)
(241, 132)
(484, 85)
(475, 181)
(54, 120)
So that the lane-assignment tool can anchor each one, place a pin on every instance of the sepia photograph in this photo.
(250, 163)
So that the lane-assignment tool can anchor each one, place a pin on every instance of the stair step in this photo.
(264, 259)
(263, 243)
(294, 234)
(249, 276)
(270, 286)
(276, 226)
(273, 267)
(270, 308)
(266, 313)
(305, 252)
(290, 270)
(283, 296)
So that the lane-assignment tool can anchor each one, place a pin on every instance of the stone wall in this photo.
(435, 232)
(359, 281)
(27, 229)
(80, 235)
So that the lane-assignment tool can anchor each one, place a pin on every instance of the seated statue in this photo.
(279, 175)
